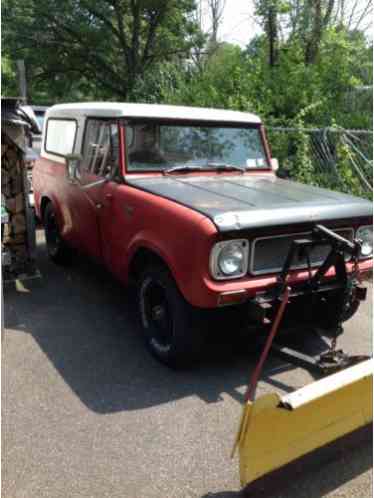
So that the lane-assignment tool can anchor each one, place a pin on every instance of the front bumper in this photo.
(247, 287)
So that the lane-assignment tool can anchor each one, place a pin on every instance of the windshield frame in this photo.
(196, 123)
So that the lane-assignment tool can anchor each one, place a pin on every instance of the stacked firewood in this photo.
(12, 187)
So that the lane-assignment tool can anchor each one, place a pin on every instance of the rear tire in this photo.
(57, 249)
(172, 328)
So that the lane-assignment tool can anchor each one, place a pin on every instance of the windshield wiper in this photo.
(184, 167)
(215, 166)
(225, 167)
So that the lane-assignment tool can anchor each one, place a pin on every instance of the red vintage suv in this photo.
(186, 203)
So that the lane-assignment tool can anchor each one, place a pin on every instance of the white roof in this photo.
(116, 109)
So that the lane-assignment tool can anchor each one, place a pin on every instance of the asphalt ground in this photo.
(87, 412)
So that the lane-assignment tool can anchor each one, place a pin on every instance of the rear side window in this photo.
(60, 136)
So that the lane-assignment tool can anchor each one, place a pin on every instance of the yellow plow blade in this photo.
(276, 430)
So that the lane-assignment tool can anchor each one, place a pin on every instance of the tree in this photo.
(354, 15)
(306, 22)
(8, 78)
(103, 46)
(216, 9)
(268, 11)
(319, 14)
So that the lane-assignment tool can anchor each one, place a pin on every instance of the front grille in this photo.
(269, 254)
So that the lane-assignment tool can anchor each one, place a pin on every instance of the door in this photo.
(100, 174)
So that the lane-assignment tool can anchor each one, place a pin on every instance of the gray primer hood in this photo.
(243, 201)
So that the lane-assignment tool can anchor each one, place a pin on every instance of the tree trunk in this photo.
(314, 42)
(272, 35)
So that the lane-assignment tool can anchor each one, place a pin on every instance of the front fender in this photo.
(149, 240)
(186, 257)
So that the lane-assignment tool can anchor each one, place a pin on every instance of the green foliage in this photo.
(291, 94)
(154, 51)
(350, 181)
(223, 83)
(243, 80)
(84, 49)
(8, 78)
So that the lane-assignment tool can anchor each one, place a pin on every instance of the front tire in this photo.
(57, 250)
(171, 326)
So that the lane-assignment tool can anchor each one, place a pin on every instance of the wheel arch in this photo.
(44, 202)
(144, 256)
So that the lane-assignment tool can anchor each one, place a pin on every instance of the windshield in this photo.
(152, 147)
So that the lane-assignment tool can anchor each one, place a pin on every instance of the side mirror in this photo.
(73, 162)
(274, 164)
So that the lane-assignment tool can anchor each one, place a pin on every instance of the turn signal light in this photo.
(232, 297)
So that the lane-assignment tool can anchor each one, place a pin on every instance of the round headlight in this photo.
(365, 234)
(231, 259)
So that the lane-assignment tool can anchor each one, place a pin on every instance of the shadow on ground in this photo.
(86, 324)
(318, 481)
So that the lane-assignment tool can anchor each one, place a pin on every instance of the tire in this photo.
(327, 306)
(57, 249)
(172, 328)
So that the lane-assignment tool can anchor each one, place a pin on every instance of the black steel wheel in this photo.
(171, 327)
(56, 247)
(156, 314)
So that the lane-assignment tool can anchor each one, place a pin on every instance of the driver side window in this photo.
(101, 148)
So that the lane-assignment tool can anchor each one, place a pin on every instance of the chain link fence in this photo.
(334, 158)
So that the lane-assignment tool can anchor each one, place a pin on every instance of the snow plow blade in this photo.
(277, 430)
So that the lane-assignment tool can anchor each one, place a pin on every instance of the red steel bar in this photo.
(251, 390)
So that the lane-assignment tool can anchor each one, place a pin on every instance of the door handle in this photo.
(109, 197)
